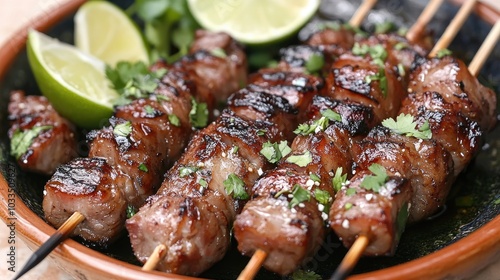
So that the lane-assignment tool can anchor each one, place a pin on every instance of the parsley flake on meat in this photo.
(405, 125)
(22, 140)
(234, 185)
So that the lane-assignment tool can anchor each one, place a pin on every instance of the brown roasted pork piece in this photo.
(294, 232)
(41, 139)
(194, 209)
(425, 167)
(334, 39)
(144, 138)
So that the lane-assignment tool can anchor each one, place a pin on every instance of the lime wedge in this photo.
(106, 32)
(73, 81)
(254, 22)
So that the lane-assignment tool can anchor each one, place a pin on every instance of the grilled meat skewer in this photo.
(294, 232)
(449, 100)
(144, 138)
(41, 139)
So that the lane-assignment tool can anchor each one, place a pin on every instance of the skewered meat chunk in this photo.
(54, 138)
(147, 135)
(333, 41)
(268, 221)
(222, 156)
(457, 109)
(368, 76)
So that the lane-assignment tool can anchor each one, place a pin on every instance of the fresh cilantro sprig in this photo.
(384, 27)
(442, 53)
(273, 152)
(234, 185)
(405, 125)
(123, 129)
(132, 80)
(315, 63)
(130, 211)
(377, 180)
(381, 78)
(318, 125)
(301, 160)
(299, 195)
(22, 140)
(187, 170)
(338, 179)
(169, 27)
(198, 116)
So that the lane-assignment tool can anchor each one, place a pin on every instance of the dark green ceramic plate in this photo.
(475, 198)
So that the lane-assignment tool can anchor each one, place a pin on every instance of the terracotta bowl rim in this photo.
(458, 260)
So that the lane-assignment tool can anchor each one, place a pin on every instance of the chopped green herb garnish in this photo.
(401, 70)
(174, 120)
(299, 195)
(381, 78)
(384, 27)
(130, 211)
(442, 53)
(338, 179)
(402, 31)
(187, 170)
(323, 197)
(273, 152)
(305, 275)
(376, 181)
(400, 46)
(123, 129)
(219, 52)
(235, 149)
(149, 110)
(314, 177)
(356, 30)
(333, 25)
(143, 167)
(331, 115)
(22, 140)
(376, 51)
(203, 183)
(318, 125)
(234, 185)
(348, 206)
(315, 63)
(405, 125)
(300, 160)
(161, 98)
(497, 201)
(261, 132)
(132, 80)
(350, 191)
(198, 116)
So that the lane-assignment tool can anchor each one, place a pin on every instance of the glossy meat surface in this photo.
(52, 146)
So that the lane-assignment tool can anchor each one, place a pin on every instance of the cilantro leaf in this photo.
(381, 78)
(123, 129)
(174, 120)
(143, 167)
(442, 53)
(300, 160)
(315, 63)
(405, 125)
(273, 152)
(376, 181)
(219, 52)
(198, 116)
(338, 179)
(22, 140)
(130, 211)
(384, 27)
(299, 195)
(323, 197)
(314, 177)
(187, 170)
(305, 275)
(234, 185)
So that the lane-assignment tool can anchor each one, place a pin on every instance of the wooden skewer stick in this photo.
(485, 50)
(361, 242)
(253, 266)
(425, 17)
(351, 258)
(362, 12)
(453, 27)
(158, 254)
(260, 256)
(47, 247)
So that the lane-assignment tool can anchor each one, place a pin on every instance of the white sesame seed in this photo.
(330, 174)
(321, 207)
(345, 224)
(316, 183)
(309, 183)
(324, 216)
(224, 154)
(302, 205)
(369, 196)
(250, 169)
(260, 172)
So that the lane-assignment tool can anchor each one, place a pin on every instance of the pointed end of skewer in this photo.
(253, 265)
(51, 243)
(351, 259)
(158, 254)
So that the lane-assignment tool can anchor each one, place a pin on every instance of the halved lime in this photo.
(254, 21)
(73, 81)
(106, 32)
